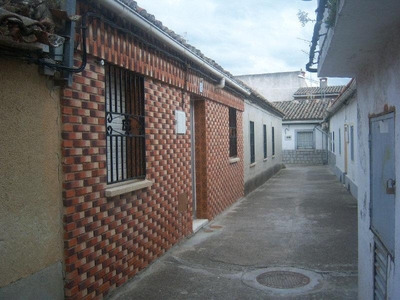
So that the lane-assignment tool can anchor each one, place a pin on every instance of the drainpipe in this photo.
(315, 37)
(125, 12)
(221, 85)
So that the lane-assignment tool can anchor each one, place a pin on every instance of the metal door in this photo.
(383, 179)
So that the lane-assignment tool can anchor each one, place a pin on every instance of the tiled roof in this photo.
(303, 109)
(329, 90)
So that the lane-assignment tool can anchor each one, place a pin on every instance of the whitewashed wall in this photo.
(378, 84)
(347, 114)
(289, 135)
(261, 166)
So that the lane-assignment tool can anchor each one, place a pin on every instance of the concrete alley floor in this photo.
(301, 220)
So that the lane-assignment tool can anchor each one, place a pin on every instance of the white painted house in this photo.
(303, 139)
(342, 124)
(262, 127)
(364, 43)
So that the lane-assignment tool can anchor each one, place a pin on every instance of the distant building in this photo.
(275, 86)
(303, 138)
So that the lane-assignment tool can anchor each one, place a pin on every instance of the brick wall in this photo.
(109, 240)
(219, 183)
(225, 181)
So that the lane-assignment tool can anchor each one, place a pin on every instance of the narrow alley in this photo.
(295, 237)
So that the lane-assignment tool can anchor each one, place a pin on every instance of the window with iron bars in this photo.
(352, 142)
(273, 141)
(252, 144)
(265, 140)
(232, 133)
(125, 124)
(305, 139)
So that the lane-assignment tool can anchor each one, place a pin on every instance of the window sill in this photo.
(233, 160)
(265, 159)
(127, 187)
(253, 165)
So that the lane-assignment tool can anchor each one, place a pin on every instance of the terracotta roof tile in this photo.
(303, 109)
(329, 90)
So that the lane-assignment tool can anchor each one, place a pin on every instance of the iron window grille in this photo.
(352, 143)
(273, 141)
(265, 140)
(305, 140)
(232, 133)
(252, 144)
(125, 125)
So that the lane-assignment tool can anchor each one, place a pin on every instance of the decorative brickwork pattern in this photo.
(109, 240)
(218, 182)
(225, 180)
(121, 49)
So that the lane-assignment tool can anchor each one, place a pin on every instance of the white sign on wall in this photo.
(180, 122)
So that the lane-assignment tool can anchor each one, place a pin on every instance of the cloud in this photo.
(244, 37)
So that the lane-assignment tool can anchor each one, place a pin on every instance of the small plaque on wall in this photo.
(180, 122)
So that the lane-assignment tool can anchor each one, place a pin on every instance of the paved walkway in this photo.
(302, 221)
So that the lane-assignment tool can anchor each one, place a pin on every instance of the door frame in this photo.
(377, 118)
(193, 157)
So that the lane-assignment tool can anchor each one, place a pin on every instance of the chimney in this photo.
(323, 82)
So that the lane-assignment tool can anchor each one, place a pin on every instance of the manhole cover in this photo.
(283, 279)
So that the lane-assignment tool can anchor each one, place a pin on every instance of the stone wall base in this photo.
(306, 157)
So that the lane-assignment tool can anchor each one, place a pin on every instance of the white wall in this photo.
(289, 132)
(347, 114)
(260, 117)
(275, 86)
(378, 84)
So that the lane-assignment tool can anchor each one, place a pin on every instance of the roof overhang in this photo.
(124, 11)
(361, 31)
(342, 99)
(304, 122)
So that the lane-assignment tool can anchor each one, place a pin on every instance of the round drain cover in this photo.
(283, 279)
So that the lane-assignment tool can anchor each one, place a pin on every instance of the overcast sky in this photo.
(244, 37)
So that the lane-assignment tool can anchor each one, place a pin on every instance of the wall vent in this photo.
(380, 271)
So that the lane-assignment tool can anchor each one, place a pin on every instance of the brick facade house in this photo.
(151, 139)
(111, 233)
